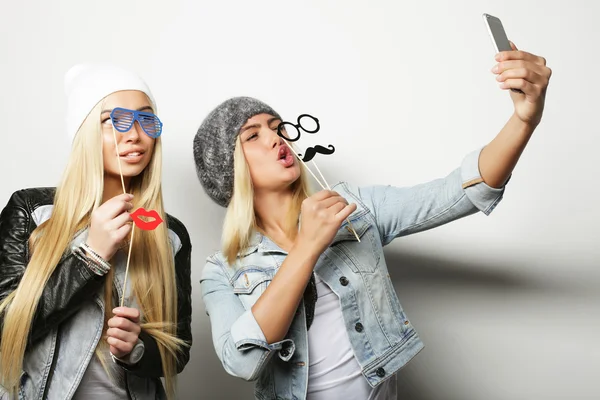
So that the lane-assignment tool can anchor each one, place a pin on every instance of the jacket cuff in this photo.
(132, 358)
(483, 196)
(246, 334)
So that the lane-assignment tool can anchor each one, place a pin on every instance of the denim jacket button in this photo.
(344, 281)
(380, 372)
(359, 327)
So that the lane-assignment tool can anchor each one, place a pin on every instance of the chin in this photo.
(129, 171)
(133, 172)
(293, 174)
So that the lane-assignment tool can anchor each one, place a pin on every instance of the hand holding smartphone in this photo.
(498, 36)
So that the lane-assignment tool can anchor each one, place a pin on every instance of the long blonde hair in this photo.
(240, 219)
(152, 273)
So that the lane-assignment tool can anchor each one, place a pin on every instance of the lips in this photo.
(285, 156)
(137, 151)
(283, 152)
(146, 225)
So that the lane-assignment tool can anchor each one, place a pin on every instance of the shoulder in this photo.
(217, 265)
(30, 202)
(346, 189)
(217, 258)
(178, 234)
(178, 228)
(32, 198)
(354, 194)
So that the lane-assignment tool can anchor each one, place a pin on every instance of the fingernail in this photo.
(501, 84)
(498, 57)
(499, 77)
(110, 340)
(117, 310)
(495, 69)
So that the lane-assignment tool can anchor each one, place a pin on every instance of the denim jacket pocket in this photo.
(363, 256)
(249, 283)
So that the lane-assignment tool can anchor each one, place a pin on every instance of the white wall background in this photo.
(508, 306)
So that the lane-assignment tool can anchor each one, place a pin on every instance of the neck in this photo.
(113, 186)
(272, 209)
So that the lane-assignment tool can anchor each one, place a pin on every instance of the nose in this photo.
(133, 134)
(276, 141)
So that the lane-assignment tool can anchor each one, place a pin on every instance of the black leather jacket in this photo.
(72, 283)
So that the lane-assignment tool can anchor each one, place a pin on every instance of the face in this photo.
(135, 147)
(271, 162)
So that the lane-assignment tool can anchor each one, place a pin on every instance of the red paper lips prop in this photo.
(141, 213)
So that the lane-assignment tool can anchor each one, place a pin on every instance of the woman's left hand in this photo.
(525, 71)
(123, 332)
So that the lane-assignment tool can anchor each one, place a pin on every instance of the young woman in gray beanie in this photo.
(296, 303)
(64, 253)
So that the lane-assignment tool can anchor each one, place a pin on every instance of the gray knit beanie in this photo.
(214, 144)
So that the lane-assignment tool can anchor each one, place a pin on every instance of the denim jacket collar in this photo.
(261, 243)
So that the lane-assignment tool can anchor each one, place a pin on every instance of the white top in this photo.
(333, 370)
(97, 384)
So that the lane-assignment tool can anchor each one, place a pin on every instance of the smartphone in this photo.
(498, 36)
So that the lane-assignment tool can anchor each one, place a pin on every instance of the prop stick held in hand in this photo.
(132, 225)
(127, 268)
(123, 120)
(119, 160)
(319, 182)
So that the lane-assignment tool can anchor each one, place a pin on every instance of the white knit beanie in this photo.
(88, 84)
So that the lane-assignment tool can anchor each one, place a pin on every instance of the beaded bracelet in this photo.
(89, 262)
(79, 253)
(93, 261)
(96, 258)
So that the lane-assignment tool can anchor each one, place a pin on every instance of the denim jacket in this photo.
(382, 337)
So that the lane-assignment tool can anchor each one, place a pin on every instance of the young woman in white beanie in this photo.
(63, 256)
(296, 302)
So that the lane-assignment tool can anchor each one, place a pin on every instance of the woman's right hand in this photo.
(322, 215)
(110, 225)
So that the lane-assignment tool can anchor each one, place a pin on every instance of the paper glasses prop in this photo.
(123, 120)
(293, 134)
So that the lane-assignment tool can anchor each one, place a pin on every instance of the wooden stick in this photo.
(127, 269)
(322, 177)
(349, 223)
(119, 160)
(317, 179)
(132, 225)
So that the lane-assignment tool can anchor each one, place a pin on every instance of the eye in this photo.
(147, 118)
(105, 120)
(252, 136)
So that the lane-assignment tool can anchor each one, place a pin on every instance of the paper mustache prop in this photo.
(290, 133)
(311, 152)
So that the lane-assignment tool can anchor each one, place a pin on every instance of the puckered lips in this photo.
(141, 213)
(285, 156)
